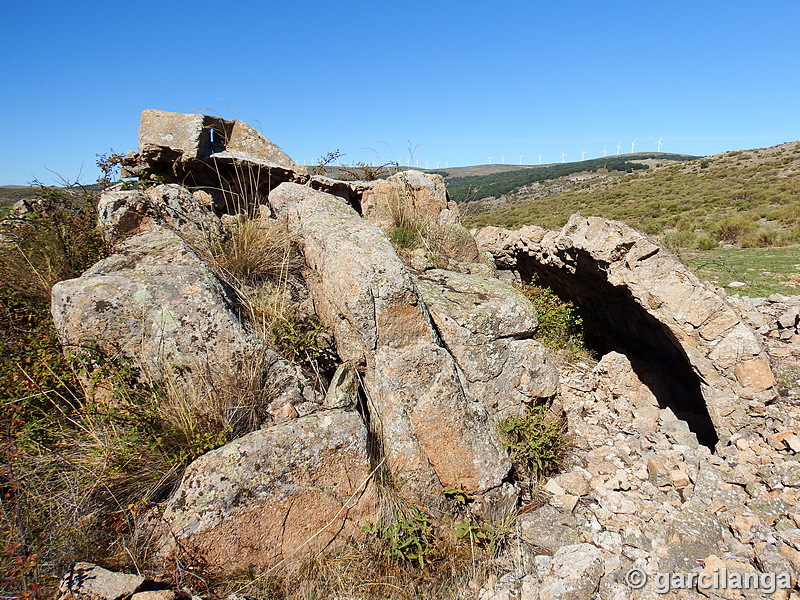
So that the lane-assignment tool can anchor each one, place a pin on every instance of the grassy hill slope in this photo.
(478, 186)
(748, 198)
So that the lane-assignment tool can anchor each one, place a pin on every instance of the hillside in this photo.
(468, 184)
(11, 194)
(746, 198)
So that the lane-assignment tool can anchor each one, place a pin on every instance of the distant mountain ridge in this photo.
(476, 183)
(743, 198)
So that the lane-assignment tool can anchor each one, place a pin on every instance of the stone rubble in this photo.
(642, 490)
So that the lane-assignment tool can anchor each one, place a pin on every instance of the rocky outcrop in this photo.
(429, 359)
(155, 300)
(433, 431)
(123, 213)
(227, 159)
(159, 305)
(279, 493)
(408, 196)
(650, 303)
(488, 326)
(202, 137)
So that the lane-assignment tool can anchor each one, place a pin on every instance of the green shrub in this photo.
(535, 440)
(761, 237)
(409, 538)
(731, 229)
(705, 242)
(404, 238)
(560, 325)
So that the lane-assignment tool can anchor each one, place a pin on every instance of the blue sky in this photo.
(457, 81)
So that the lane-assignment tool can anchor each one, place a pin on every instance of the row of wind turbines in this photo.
(521, 156)
(658, 144)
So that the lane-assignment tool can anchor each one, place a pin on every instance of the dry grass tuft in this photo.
(253, 251)
(365, 572)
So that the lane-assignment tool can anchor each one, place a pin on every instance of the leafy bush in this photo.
(87, 444)
(536, 440)
(730, 229)
(761, 237)
(409, 538)
(685, 238)
(55, 240)
(560, 325)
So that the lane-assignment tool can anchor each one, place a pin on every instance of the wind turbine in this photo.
(437, 164)
(632, 144)
(540, 159)
(618, 147)
(426, 164)
(447, 164)
(583, 155)
(658, 143)
(521, 156)
(502, 159)
(604, 152)
(563, 156)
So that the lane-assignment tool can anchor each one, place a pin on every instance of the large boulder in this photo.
(229, 160)
(647, 298)
(432, 430)
(197, 136)
(408, 196)
(278, 494)
(123, 213)
(159, 305)
(488, 327)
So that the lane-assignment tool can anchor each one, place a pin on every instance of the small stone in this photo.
(155, 595)
(565, 501)
(540, 563)
(710, 486)
(754, 490)
(552, 487)
(788, 319)
(286, 413)
(658, 472)
(692, 535)
(743, 526)
(770, 509)
(574, 483)
(679, 478)
(714, 565)
(90, 581)
(608, 540)
(548, 527)
(793, 442)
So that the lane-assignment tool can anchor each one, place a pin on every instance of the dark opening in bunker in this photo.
(615, 321)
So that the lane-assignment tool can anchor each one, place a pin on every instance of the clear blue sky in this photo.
(460, 81)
